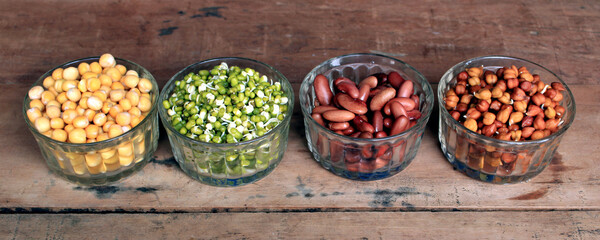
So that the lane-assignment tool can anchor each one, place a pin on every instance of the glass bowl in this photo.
(103, 162)
(356, 158)
(229, 164)
(482, 157)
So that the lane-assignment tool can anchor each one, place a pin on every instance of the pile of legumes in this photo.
(509, 104)
(380, 105)
(226, 105)
(90, 103)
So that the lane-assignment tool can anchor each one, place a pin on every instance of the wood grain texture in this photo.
(166, 36)
(299, 184)
(398, 225)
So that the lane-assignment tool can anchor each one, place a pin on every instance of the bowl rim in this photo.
(107, 141)
(163, 96)
(473, 135)
(427, 89)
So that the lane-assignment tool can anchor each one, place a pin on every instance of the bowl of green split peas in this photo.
(227, 119)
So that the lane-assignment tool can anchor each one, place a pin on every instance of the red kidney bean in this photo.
(375, 91)
(362, 125)
(349, 88)
(380, 134)
(416, 99)
(322, 109)
(365, 135)
(352, 157)
(381, 78)
(348, 131)
(387, 122)
(395, 79)
(370, 81)
(366, 152)
(397, 109)
(355, 134)
(413, 115)
(363, 93)
(382, 98)
(377, 121)
(335, 126)
(318, 118)
(338, 115)
(406, 90)
(399, 125)
(342, 79)
(322, 90)
(353, 105)
(336, 149)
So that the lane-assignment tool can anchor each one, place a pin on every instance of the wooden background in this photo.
(300, 199)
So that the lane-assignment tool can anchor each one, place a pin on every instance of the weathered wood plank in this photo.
(299, 183)
(382, 225)
(294, 37)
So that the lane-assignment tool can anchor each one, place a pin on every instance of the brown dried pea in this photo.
(483, 105)
(489, 118)
(518, 94)
(460, 89)
(474, 81)
(483, 94)
(515, 117)
(451, 101)
(550, 113)
(497, 92)
(552, 124)
(503, 115)
(520, 106)
(466, 99)
(475, 71)
(471, 124)
(512, 83)
(509, 73)
(527, 131)
(526, 76)
(491, 79)
(473, 113)
(537, 135)
(516, 135)
(505, 99)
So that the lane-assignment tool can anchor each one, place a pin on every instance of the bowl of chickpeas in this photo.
(95, 119)
(502, 118)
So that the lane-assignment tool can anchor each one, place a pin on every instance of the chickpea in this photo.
(107, 60)
(134, 111)
(59, 135)
(114, 110)
(132, 72)
(126, 128)
(62, 97)
(93, 84)
(145, 104)
(57, 73)
(94, 103)
(117, 85)
(47, 96)
(83, 68)
(42, 124)
(70, 73)
(57, 123)
(105, 80)
(68, 84)
(68, 116)
(114, 74)
(114, 131)
(69, 105)
(99, 119)
(102, 137)
(123, 118)
(133, 96)
(95, 67)
(36, 103)
(53, 111)
(74, 94)
(125, 104)
(80, 122)
(122, 69)
(69, 128)
(83, 102)
(135, 120)
(58, 85)
(33, 114)
(53, 103)
(101, 95)
(130, 81)
(107, 125)
(89, 75)
(36, 92)
(48, 82)
(47, 133)
(77, 135)
(89, 114)
(106, 107)
(92, 131)
(117, 94)
(145, 85)
(82, 86)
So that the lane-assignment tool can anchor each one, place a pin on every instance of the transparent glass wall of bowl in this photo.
(480, 157)
(103, 162)
(230, 164)
(363, 159)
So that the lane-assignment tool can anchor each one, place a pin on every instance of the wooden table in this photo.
(300, 199)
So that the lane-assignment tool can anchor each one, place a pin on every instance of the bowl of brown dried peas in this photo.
(502, 118)
(94, 119)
